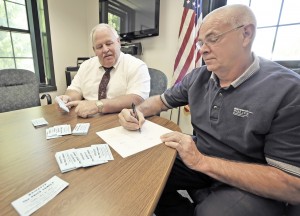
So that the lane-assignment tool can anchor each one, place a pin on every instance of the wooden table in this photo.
(125, 186)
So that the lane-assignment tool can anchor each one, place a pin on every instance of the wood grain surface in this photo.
(125, 186)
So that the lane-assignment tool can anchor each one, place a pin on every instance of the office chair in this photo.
(19, 89)
(293, 65)
(71, 71)
(158, 83)
(80, 60)
(297, 70)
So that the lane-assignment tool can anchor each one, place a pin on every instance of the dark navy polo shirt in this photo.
(256, 119)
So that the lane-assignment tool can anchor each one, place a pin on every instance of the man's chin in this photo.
(209, 66)
(108, 61)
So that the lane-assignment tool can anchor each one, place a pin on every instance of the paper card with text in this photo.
(103, 151)
(35, 199)
(88, 157)
(61, 104)
(81, 129)
(66, 160)
(39, 122)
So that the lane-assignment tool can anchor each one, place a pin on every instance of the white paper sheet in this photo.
(38, 197)
(127, 142)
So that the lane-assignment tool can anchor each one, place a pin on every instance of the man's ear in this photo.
(249, 33)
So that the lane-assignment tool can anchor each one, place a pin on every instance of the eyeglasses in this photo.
(212, 39)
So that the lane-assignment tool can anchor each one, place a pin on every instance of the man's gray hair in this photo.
(100, 27)
(235, 15)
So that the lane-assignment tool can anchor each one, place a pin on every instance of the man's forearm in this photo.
(152, 106)
(74, 95)
(265, 181)
(121, 102)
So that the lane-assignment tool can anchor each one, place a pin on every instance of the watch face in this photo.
(99, 104)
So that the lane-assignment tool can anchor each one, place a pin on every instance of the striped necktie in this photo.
(103, 83)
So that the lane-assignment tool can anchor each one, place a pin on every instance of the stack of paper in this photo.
(81, 129)
(83, 157)
(67, 160)
(39, 122)
(58, 131)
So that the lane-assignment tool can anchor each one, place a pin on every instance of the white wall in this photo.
(70, 25)
(160, 52)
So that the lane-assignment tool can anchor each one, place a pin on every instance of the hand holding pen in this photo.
(135, 114)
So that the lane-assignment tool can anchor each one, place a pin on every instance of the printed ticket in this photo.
(38, 197)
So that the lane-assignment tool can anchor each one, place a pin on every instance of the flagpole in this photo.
(178, 116)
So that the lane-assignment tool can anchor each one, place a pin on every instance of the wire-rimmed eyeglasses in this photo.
(212, 39)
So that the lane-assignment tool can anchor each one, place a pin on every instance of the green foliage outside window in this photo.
(25, 40)
(114, 21)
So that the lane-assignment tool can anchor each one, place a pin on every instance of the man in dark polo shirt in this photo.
(245, 111)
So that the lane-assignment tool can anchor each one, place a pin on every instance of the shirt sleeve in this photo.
(282, 147)
(178, 94)
(139, 81)
(75, 84)
(282, 144)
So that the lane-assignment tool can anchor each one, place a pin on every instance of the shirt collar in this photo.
(253, 68)
(116, 64)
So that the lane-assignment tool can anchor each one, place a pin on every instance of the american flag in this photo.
(188, 57)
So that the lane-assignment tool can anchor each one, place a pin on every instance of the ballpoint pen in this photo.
(135, 113)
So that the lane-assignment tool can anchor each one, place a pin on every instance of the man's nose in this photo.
(204, 48)
(105, 48)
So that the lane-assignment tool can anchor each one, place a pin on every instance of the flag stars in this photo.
(194, 3)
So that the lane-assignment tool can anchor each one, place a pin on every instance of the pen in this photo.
(135, 113)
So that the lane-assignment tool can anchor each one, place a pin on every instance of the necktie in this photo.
(103, 83)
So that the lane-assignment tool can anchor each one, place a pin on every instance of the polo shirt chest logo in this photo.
(241, 113)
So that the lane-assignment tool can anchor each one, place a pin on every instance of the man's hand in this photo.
(185, 147)
(128, 120)
(84, 108)
(65, 98)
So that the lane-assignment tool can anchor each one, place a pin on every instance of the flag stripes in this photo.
(188, 57)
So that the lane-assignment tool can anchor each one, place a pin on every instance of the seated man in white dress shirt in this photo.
(129, 80)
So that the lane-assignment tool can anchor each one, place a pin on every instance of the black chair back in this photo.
(159, 82)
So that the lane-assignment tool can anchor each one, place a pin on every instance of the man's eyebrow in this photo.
(109, 41)
(208, 35)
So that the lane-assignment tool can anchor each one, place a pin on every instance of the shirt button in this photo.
(215, 107)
